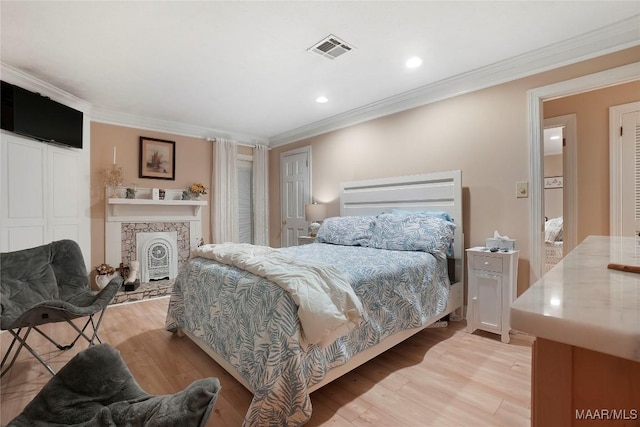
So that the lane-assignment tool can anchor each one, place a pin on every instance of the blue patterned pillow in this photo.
(412, 233)
(439, 214)
(346, 230)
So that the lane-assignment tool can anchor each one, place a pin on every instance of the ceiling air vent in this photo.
(331, 47)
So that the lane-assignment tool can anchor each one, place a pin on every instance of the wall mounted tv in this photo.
(36, 116)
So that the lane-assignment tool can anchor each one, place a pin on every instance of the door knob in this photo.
(284, 222)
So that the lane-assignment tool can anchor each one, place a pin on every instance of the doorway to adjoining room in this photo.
(553, 196)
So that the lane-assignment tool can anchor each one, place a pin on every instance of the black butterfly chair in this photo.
(96, 388)
(48, 284)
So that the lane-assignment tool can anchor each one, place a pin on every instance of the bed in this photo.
(553, 246)
(397, 293)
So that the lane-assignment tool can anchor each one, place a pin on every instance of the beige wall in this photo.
(592, 117)
(483, 133)
(193, 164)
(553, 196)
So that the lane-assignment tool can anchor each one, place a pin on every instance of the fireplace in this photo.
(174, 223)
(136, 239)
(158, 255)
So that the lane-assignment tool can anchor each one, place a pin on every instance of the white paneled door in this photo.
(42, 192)
(631, 174)
(24, 201)
(295, 191)
(624, 169)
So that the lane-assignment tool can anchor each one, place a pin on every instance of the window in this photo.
(245, 199)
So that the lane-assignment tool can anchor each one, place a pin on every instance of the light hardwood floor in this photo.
(439, 377)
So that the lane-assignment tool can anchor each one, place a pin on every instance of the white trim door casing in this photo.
(295, 192)
(623, 173)
(619, 75)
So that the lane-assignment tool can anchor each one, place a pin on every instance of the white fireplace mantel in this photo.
(121, 210)
(186, 210)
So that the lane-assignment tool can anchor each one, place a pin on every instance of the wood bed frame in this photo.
(440, 191)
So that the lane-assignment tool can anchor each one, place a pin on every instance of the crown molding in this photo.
(20, 78)
(619, 36)
(111, 117)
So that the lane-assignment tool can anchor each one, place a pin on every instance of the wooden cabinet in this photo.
(575, 386)
(492, 289)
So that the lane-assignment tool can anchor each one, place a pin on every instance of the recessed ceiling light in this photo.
(322, 99)
(414, 62)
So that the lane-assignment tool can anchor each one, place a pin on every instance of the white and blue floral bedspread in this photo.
(252, 323)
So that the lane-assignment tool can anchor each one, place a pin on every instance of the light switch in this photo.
(522, 189)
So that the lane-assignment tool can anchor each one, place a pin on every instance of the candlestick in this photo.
(114, 155)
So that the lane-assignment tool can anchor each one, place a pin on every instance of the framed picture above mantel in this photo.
(157, 158)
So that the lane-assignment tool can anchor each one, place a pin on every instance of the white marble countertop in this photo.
(582, 303)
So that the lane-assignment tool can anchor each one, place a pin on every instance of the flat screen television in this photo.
(36, 116)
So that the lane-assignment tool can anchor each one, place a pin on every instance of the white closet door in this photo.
(43, 193)
(63, 197)
(23, 211)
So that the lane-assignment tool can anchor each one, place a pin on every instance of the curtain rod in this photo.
(240, 144)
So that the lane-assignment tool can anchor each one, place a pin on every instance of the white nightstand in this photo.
(303, 240)
(493, 281)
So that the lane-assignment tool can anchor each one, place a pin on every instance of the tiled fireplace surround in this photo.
(130, 229)
(124, 218)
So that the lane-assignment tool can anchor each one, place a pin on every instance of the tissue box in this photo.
(509, 244)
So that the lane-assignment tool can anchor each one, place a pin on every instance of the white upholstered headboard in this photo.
(438, 191)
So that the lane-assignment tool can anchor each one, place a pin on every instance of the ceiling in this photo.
(242, 68)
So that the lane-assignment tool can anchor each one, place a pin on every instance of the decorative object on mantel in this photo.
(105, 273)
(161, 194)
(197, 189)
(157, 158)
(145, 195)
(113, 180)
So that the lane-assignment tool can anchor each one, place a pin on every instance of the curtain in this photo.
(261, 195)
(224, 218)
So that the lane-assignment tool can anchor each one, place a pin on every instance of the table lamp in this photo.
(315, 213)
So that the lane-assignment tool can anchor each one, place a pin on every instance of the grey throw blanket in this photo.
(96, 388)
